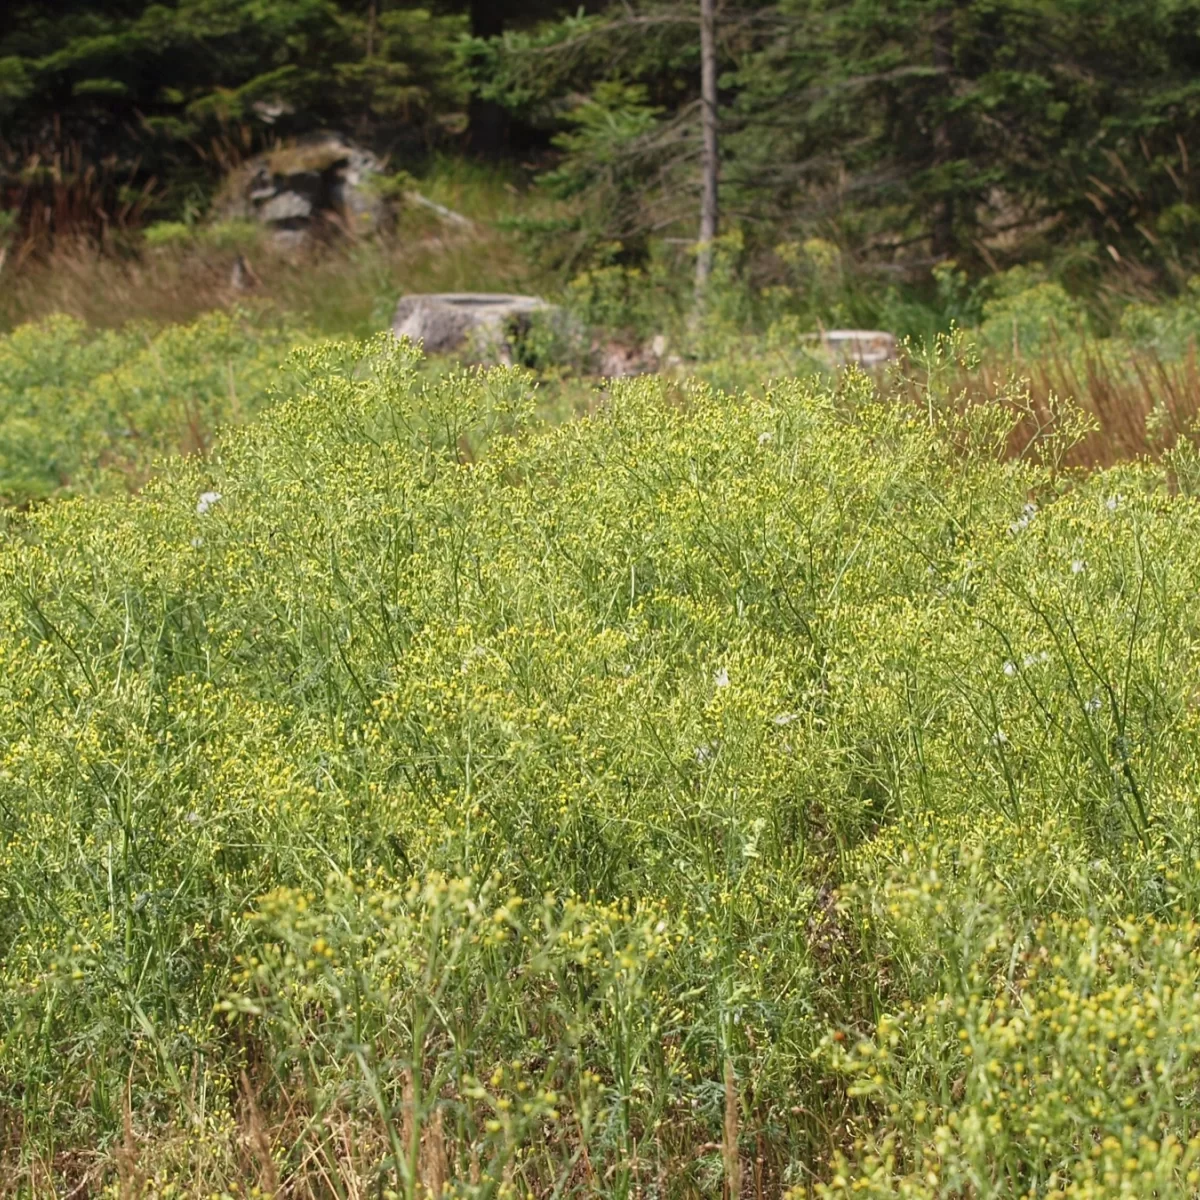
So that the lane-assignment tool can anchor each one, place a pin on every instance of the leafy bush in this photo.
(1029, 314)
(234, 235)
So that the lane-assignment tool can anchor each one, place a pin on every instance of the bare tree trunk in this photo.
(709, 161)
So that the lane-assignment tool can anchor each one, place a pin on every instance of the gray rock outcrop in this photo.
(292, 189)
(482, 327)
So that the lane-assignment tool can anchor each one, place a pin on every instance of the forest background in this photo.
(896, 137)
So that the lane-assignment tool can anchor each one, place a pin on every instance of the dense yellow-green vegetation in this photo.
(86, 410)
(788, 791)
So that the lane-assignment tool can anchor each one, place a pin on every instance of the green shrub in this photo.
(1047, 1054)
(1029, 314)
(162, 234)
(1169, 327)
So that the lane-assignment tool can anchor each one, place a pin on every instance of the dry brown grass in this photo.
(105, 289)
(338, 285)
(1142, 403)
(275, 1145)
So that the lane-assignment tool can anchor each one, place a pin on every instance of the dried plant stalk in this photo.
(259, 1140)
(729, 1147)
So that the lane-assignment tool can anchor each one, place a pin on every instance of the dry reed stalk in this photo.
(259, 1140)
(129, 1178)
(348, 1174)
(1121, 391)
(328, 1168)
(729, 1145)
(435, 1164)
(760, 1166)
(58, 194)
(407, 1113)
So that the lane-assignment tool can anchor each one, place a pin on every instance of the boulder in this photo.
(291, 189)
(863, 347)
(482, 327)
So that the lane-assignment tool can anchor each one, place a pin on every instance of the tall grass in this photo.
(341, 287)
(1141, 401)
(796, 789)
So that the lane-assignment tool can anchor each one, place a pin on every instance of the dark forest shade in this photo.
(489, 121)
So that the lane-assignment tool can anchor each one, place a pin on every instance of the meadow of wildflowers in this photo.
(788, 794)
(85, 410)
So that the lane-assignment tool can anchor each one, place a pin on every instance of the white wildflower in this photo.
(206, 501)
(1010, 669)
(471, 657)
(999, 738)
(1023, 521)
